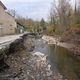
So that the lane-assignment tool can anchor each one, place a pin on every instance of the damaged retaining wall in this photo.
(24, 42)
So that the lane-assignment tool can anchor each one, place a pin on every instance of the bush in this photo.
(77, 25)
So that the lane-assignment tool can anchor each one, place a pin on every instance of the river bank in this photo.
(12, 45)
(70, 46)
(38, 64)
(30, 65)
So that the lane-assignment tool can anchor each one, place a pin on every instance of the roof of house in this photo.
(3, 5)
(20, 24)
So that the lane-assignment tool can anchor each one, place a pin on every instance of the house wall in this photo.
(7, 23)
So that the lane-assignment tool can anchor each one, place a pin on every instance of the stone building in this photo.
(7, 22)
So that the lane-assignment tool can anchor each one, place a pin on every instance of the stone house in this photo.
(7, 22)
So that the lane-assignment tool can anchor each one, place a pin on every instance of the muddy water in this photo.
(65, 63)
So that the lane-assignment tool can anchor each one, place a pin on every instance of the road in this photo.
(6, 40)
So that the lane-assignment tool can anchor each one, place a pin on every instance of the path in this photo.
(6, 40)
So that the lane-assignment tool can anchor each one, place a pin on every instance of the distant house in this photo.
(7, 22)
(20, 28)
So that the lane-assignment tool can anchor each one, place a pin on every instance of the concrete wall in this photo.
(7, 23)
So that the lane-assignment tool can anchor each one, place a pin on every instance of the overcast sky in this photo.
(35, 9)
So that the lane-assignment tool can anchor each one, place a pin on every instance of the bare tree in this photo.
(12, 12)
(60, 14)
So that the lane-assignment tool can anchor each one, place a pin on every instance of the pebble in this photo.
(16, 78)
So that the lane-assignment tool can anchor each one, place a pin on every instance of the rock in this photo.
(16, 45)
(49, 67)
(49, 73)
(16, 78)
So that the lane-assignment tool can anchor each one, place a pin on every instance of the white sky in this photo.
(35, 9)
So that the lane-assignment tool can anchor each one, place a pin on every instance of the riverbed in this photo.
(45, 62)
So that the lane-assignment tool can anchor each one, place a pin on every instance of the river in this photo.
(45, 62)
(61, 60)
(67, 65)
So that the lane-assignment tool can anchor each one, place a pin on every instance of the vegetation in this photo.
(63, 16)
(31, 25)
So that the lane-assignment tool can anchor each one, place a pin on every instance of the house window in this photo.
(11, 29)
(11, 25)
(1, 25)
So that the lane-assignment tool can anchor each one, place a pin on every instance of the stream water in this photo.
(61, 60)
(64, 62)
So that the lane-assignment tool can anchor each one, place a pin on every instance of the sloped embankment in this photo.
(72, 37)
(25, 42)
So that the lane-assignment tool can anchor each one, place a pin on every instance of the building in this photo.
(20, 28)
(7, 22)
